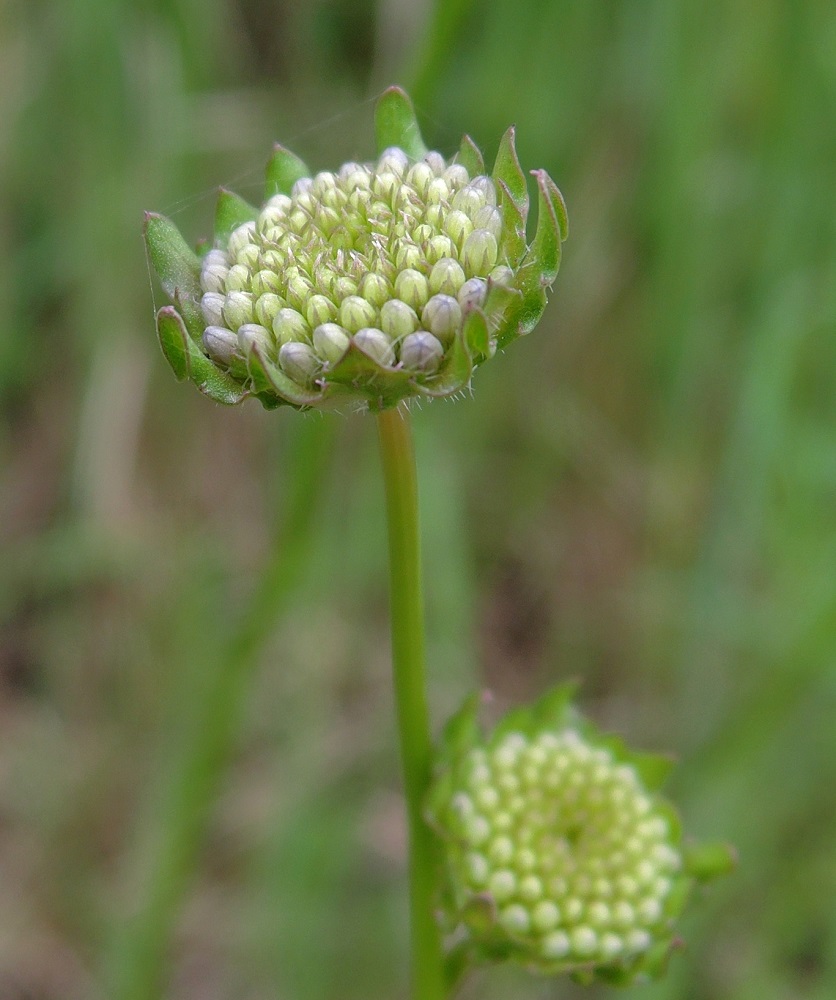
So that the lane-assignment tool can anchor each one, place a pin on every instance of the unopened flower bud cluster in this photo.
(573, 854)
(391, 256)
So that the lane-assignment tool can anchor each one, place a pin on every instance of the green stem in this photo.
(407, 614)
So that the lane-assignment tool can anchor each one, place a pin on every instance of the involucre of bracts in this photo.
(366, 286)
(559, 853)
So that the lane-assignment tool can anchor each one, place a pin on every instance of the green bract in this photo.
(558, 851)
(379, 282)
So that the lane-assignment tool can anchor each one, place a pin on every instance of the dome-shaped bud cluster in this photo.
(371, 284)
(557, 853)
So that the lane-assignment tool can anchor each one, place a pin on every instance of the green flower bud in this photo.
(458, 227)
(267, 308)
(330, 342)
(320, 310)
(442, 316)
(299, 362)
(368, 246)
(502, 275)
(375, 289)
(397, 319)
(446, 277)
(238, 278)
(356, 313)
(412, 287)
(253, 335)
(558, 852)
(375, 344)
(238, 309)
(421, 351)
(220, 344)
(479, 253)
(290, 325)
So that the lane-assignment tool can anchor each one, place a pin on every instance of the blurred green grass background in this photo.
(642, 494)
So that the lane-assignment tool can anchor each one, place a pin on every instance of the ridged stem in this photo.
(407, 617)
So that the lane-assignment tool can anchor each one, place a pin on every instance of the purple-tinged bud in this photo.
(412, 287)
(375, 344)
(442, 316)
(447, 277)
(356, 313)
(299, 362)
(421, 351)
(397, 319)
(238, 309)
(220, 344)
(290, 325)
(212, 307)
(472, 294)
(479, 253)
(330, 342)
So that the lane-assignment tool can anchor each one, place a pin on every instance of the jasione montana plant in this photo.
(544, 843)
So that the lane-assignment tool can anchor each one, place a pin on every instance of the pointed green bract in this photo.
(174, 341)
(470, 157)
(547, 239)
(231, 211)
(507, 168)
(396, 125)
(176, 264)
(283, 170)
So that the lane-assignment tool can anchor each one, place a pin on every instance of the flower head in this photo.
(558, 852)
(374, 283)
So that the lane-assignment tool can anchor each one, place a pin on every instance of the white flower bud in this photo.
(442, 316)
(281, 202)
(356, 313)
(238, 309)
(215, 258)
(213, 277)
(421, 351)
(479, 253)
(239, 238)
(412, 287)
(376, 345)
(298, 362)
(330, 342)
(515, 919)
(456, 176)
(447, 277)
(502, 885)
(556, 945)
(393, 159)
(220, 344)
(436, 162)
(300, 187)
(489, 217)
(397, 319)
(323, 182)
(290, 325)
(212, 307)
(485, 187)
